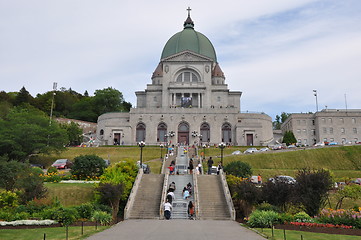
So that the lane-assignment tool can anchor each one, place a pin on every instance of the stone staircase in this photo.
(179, 204)
(147, 201)
(212, 202)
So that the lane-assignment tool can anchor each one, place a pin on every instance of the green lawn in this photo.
(296, 235)
(70, 194)
(57, 233)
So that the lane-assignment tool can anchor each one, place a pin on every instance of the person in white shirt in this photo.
(167, 210)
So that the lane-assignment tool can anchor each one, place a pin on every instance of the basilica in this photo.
(187, 102)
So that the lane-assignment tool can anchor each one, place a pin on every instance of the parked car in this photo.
(236, 152)
(62, 164)
(291, 146)
(251, 150)
(181, 169)
(332, 143)
(265, 149)
(357, 181)
(277, 147)
(285, 179)
(320, 144)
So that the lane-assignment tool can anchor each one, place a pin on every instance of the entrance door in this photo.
(249, 139)
(116, 138)
(183, 133)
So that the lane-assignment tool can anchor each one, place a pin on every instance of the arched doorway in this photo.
(162, 131)
(140, 132)
(205, 132)
(183, 133)
(226, 133)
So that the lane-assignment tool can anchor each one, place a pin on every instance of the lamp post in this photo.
(161, 150)
(141, 144)
(222, 145)
(204, 151)
(315, 94)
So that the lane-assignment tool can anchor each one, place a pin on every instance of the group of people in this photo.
(210, 165)
(187, 193)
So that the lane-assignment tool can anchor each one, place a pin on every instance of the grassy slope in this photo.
(70, 194)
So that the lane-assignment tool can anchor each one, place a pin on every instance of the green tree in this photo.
(74, 133)
(349, 191)
(279, 120)
(88, 166)
(289, 138)
(84, 110)
(23, 97)
(312, 189)
(238, 169)
(108, 100)
(117, 179)
(26, 131)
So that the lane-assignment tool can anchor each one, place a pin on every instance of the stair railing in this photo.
(195, 195)
(133, 193)
(227, 195)
(164, 195)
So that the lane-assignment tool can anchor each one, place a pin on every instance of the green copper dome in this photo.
(190, 40)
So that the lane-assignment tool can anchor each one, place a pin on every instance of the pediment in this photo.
(187, 56)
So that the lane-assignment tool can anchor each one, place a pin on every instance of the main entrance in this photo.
(249, 139)
(183, 133)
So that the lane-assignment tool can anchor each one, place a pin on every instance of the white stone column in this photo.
(199, 100)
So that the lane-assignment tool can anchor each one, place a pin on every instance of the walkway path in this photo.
(177, 230)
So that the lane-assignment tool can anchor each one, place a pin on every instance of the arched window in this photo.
(205, 132)
(183, 133)
(187, 76)
(140, 132)
(226, 133)
(101, 132)
(162, 131)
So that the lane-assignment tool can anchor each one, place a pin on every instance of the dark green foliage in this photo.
(289, 138)
(23, 97)
(278, 193)
(86, 166)
(9, 173)
(74, 133)
(111, 194)
(64, 216)
(279, 120)
(263, 219)
(247, 191)
(312, 189)
(26, 131)
(85, 210)
(238, 169)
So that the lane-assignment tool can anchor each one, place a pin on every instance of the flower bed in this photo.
(327, 230)
(327, 225)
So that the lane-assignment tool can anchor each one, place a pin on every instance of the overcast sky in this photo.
(276, 52)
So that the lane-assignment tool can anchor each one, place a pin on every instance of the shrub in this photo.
(286, 218)
(340, 216)
(268, 207)
(85, 210)
(6, 215)
(263, 218)
(52, 170)
(8, 199)
(88, 166)
(238, 169)
(278, 194)
(102, 217)
(302, 217)
(64, 216)
(312, 189)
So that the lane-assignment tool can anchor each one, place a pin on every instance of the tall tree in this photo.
(289, 138)
(23, 97)
(26, 131)
(108, 100)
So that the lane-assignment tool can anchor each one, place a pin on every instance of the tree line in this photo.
(68, 103)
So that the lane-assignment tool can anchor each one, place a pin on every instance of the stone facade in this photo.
(187, 102)
(329, 125)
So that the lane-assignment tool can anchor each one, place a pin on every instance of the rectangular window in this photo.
(341, 120)
(332, 139)
(298, 122)
(331, 130)
(324, 130)
(354, 130)
(304, 131)
(313, 122)
(323, 120)
(313, 132)
(342, 130)
(353, 120)
(298, 131)
(330, 120)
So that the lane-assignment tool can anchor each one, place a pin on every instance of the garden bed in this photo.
(47, 226)
(340, 231)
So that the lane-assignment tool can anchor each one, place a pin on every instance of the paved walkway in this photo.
(177, 230)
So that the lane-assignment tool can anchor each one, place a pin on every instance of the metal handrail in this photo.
(164, 195)
(227, 195)
(133, 193)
